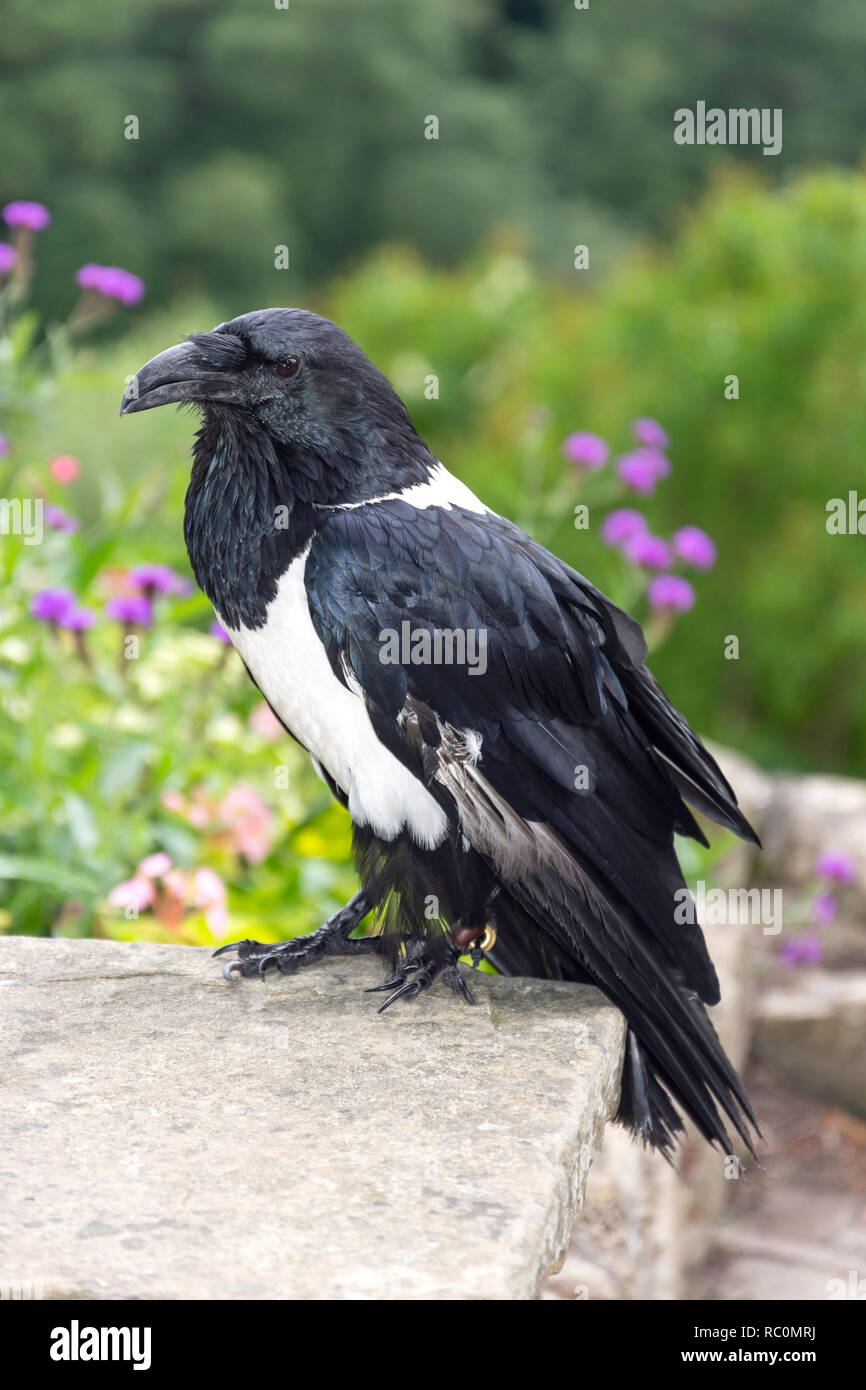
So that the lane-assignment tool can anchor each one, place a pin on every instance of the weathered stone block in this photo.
(169, 1135)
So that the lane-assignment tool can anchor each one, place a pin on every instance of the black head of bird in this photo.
(294, 418)
(296, 378)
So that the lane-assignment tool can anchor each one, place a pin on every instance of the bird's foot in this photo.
(418, 972)
(256, 958)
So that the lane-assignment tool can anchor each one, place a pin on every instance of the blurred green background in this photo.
(304, 127)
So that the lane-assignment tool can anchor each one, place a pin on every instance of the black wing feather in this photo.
(565, 686)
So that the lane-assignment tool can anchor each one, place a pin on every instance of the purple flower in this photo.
(588, 450)
(651, 551)
(89, 277)
(4, 446)
(824, 907)
(621, 525)
(59, 520)
(8, 257)
(124, 286)
(111, 282)
(671, 592)
(802, 950)
(159, 579)
(650, 434)
(695, 547)
(52, 605)
(218, 631)
(836, 865)
(22, 214)
(642, 469)
(132, 608)
(77, 619)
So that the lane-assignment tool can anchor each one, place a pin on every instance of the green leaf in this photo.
(64, 879)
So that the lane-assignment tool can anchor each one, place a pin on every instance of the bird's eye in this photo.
(288, 366)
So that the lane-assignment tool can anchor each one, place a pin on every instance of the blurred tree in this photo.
(305, 126)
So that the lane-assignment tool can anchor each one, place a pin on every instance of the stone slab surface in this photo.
(812, 1031)
(169, 1135)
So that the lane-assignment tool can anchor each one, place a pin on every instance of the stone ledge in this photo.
(811, 1031)
(173, 1136)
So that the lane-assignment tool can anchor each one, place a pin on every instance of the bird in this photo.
(514, 774)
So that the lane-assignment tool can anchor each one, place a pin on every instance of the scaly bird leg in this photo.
(255, 958)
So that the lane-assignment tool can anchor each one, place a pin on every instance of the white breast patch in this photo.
(441, 489)
(290, 666)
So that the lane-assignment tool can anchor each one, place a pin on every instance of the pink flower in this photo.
(176, 884)
(587, 450)
(671, 593)
(155, 865)
(218, 631)
(217, 918)
(649, 433)
(649, 551)
(836, 865)
(695, 547)
(8, 257)
(208, 887)
(136, 893)
(199, 811)
(171, 902)
(35, 216)
(65, 468)
(241, 819)
(621, 525)
(249, 822)
(209, 894)
(642, 469)
(263, 721)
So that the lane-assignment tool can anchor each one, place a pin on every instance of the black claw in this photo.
(465, 990)
(404, 992)
(391, 981)
(398, 977)
(228, 970)
(428, 972)
(230, 946)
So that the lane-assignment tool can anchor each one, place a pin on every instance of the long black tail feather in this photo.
(673, 1055)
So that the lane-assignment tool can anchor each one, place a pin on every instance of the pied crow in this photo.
(514, 773)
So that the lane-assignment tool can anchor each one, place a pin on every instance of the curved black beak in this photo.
(203, 369)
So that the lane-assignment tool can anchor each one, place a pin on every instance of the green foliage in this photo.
(101, 728)
(304, 126)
